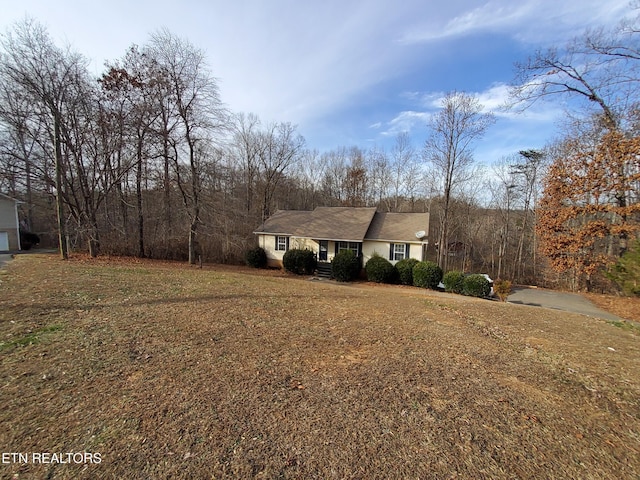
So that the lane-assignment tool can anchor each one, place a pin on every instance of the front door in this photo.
(324, 249)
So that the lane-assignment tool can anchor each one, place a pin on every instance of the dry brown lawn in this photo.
(169, 371)
(624, 307)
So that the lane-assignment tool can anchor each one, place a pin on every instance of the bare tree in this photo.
(281, 149)
(246, 147)
(505, 195)
(379, 177)
(200, 114)
(47, 74)
(599, 67)
(403, 170)
(453, 131)
(527, 173)
(134, 91)
(335, 173)
(23, 158)
(308, 174)
(355, 181)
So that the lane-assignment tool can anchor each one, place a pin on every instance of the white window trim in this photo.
(280, 238)
(397, 253)
(353, 246)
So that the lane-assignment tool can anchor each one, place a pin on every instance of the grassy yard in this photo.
(169, 371)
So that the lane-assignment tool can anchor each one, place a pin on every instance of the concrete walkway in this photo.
(5, 258)
(568, 302)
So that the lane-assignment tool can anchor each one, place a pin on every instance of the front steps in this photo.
(323, 270)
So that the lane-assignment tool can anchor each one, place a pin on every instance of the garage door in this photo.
(4, 241)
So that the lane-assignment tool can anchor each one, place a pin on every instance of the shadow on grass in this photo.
(54, 307)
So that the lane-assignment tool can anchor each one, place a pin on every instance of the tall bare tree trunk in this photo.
(62, 234)
(141, 252)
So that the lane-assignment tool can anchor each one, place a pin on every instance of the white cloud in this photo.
(492, 100)
(513, 131)
(406, 121)
(432, 100)
(297, 61)
(489, 16)
(306, 62)
(495, 99)
(284, 60)
(532, 21)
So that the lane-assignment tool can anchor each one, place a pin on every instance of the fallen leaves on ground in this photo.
(171, 371)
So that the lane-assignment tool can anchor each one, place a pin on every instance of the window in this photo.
(282, 244)
(398, 251)
(353, 246)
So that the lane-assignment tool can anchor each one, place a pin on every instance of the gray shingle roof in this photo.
(346, 224)
(338, 223)
(285, 222)
(398, 227)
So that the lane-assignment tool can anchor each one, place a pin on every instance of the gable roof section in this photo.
(323, 223)
(353, 224)
(285, 222)
(338, 223)
(398, 227)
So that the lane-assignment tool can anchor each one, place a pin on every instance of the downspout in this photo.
(15, 208)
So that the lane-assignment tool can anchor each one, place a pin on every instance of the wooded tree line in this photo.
(589, 214)
(146, 160)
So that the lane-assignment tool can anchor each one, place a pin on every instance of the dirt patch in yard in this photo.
(170, 371)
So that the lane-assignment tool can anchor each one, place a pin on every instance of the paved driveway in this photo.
(5, 258)
(568, 302)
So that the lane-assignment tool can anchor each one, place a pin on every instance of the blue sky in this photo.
(346, 72)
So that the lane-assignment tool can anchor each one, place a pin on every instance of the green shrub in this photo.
(299, 261)
(476, 286)
(405, 270)
(626, 271)
(345, 266)
(453, 281)
(427, 275)
(380, 270)
(502, 288)
(256, 257)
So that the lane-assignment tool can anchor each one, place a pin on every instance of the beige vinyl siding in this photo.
(274, 256)
(369, 248)
(9, 222)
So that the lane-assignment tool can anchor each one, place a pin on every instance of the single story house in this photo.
(9, 224)
(329, 230)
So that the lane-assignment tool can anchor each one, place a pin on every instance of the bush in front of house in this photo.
(380, 270)
(453, 281)
(345, 266)
(476, 285)
(405, 270)
(28, 240)
(256, 257)
(427, 275)
(502, 288)
(299, 261)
